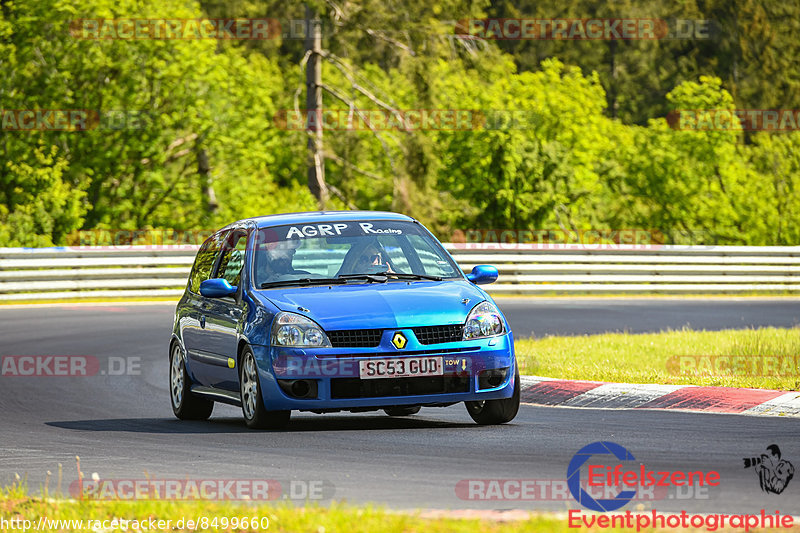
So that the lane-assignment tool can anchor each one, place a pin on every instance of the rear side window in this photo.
(204, 262)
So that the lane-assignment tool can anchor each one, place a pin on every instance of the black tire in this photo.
(402, 411)
(185, 404)
(256, 416)
(491, 412)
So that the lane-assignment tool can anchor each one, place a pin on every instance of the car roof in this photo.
(314, 217)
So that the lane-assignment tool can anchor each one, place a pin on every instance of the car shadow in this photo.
(153, 425)
(236, 425)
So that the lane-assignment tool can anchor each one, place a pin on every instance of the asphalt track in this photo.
(122, 426)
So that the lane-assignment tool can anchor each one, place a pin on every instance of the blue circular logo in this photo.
(574, 476)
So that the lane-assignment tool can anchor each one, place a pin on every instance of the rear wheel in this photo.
(402, 411)
(256, 416)
(491, 412)
(185, 404)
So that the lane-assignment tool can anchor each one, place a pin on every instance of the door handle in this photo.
(203, 321)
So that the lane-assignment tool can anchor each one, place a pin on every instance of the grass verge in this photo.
(278, 517)
(765, 358)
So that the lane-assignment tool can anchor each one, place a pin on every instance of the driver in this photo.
(276, 261)
(373, 259)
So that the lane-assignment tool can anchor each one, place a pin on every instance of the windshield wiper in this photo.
(398, 275)
(377, 278)
(303, 281)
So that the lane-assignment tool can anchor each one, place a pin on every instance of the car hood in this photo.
(395, 304)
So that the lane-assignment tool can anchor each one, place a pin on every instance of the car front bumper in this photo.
(333, 375)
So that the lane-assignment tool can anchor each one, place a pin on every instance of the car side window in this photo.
(204, 262)
(232, 261)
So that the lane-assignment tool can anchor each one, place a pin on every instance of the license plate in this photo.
(406, 367)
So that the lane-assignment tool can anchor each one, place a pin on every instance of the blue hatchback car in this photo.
(338, 311)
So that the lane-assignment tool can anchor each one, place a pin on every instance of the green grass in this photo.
(96, 516)
(15, 503)
(653, 358)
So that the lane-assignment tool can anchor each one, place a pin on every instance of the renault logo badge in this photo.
(399, 340)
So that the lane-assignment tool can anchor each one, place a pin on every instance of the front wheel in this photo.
(185, 404)
(491, 412)
(256, 416)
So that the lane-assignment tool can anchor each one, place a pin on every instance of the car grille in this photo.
(437, 334)
(376, 388)
(355, 338)
(370, 338)
(437, 351)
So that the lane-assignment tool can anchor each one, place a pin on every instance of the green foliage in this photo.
(562, 134)
(539, 152)
(38, 207)
(776, 159)
(186, 99)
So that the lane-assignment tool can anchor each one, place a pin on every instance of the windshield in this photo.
(349, 249)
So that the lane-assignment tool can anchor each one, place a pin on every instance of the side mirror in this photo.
(483, 274)
(217, 288)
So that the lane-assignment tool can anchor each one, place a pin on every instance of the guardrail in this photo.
(55, 273)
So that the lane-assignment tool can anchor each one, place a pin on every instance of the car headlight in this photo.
(483, 321)
(291, 329)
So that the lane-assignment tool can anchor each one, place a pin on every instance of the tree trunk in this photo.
(316, 163)
(204, 169)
